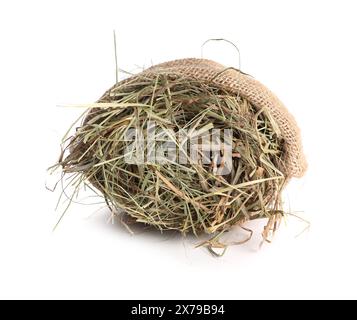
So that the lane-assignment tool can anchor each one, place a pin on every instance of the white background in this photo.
(61, 52)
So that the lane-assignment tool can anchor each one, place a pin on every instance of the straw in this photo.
(189, 197)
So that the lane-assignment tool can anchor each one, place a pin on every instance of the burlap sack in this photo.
(247, 87)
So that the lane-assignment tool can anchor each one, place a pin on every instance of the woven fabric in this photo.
(237, 83)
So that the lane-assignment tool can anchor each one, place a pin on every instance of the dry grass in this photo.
(188, 197)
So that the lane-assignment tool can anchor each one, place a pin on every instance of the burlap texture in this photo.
(247, 87)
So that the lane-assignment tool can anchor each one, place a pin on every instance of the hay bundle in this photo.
(143, 146)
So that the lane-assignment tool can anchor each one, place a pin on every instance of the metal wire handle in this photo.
(225, 40)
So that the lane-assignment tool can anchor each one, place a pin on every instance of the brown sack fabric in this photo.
(241, 84)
